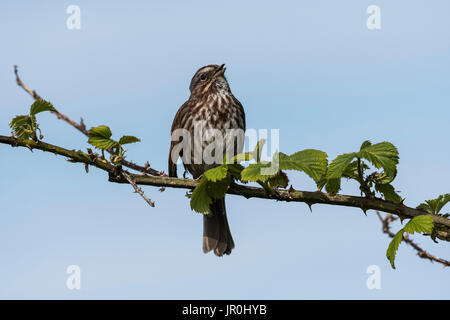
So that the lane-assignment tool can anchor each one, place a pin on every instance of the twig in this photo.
(138, 189)
(82, 128)
(21, 84)
(386, 222)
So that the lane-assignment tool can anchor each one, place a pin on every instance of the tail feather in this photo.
(216, 232)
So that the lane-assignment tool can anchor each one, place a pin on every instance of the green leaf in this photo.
(247, 156)
(261, 170)
(336, 169)
(205, 191)
(425, 206)
(235, 170)
(254, 172)
(435, 206)
(351, 172)
(365, 144)
(217, 190)
(23, 126)
(322, 182)
(339, 165)
(102, 143)
(256, 154)
(393, 247)
(312, 162)
(388, 191)
(280, 180)
(128, 139)
(19, 120)
(442, 201)
(200, 199)
(41, 106)
(383, 178)
(100, 132)
(333, 186)
(100, 137)
(217, 173)
(381, 155)
(419, 224)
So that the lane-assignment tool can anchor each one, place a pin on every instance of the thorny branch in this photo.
(82, 128)
(160, 179)
(146, 169)
(137, 188)
(290, 195)
(386, 227)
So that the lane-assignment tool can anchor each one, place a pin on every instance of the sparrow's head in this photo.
(209, 78)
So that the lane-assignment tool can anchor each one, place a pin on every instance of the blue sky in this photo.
(309, 68)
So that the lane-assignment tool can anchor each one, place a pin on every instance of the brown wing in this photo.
(172, 165)
(241, 112)
(176, 124)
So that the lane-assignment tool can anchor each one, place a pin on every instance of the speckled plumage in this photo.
(211, 105)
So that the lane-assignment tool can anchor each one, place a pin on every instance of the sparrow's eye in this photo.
(203, 77)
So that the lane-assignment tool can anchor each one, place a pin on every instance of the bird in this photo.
(211, 107)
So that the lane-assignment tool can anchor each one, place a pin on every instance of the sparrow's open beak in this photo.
(220, 71)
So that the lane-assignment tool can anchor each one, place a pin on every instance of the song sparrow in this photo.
(211, 105)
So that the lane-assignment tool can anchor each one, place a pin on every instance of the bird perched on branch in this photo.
(212, 116)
